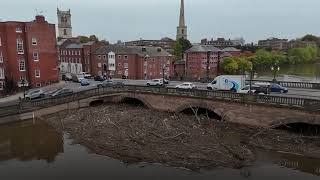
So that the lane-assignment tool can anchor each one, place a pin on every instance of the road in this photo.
(11, 100)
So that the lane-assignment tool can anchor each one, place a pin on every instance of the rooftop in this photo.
(203, 48)
(139, 50)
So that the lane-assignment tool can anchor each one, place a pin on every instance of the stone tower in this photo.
(64, 24)
(182, 28)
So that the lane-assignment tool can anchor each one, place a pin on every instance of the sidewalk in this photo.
(49, 88)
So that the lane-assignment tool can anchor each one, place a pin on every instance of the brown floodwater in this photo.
(34, 150)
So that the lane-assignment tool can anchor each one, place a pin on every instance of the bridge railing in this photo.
(308, 104)
(288, 84)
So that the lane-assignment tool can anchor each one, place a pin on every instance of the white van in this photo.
(227, 83)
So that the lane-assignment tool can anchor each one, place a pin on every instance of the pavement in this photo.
(76, 87)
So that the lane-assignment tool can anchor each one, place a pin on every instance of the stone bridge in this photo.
(255, 115)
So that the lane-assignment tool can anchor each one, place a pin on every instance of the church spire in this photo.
(182, 28)
(181, 20)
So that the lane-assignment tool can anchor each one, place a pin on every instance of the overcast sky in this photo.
(152, 19)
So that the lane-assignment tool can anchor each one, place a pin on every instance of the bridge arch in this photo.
(128, 98)
(212, 112)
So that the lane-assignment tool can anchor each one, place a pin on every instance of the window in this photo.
(119, 57)
(38, 84)
(1, 73)
(1, 57)
(37, 73)
(104, 57)
(0, 42)
(22, 65)
(125, 65)
(126, 57)
(18, 30)
(99, 65)
(99, 56)
(72, 52)
(35, 56)
(34, 41)
(1, 85)
(20, 46)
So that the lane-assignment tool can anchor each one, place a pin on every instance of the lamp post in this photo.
(163, 71)
(275, 69)
(208, 65)
(251, 77)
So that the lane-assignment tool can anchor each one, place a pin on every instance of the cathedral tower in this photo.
(64, 24)
(182, 28)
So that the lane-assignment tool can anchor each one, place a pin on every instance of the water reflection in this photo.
(29, 140)
(24, 144)
(301, 72)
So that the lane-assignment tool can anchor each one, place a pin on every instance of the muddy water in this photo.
(33, 150)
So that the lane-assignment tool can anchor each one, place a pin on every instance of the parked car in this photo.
(34, 94)
(99, 78)
(77, 78)
(110, 83)
(256, 89)
(66, 77)
(84, 82)
(186, 85)
(86, 75)
(155, 82)
(276, 88)
(62, 92)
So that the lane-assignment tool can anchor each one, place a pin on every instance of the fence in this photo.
(301, 103)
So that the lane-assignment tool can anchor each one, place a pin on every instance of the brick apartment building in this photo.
(28, 52)
(220, 43)
(132, 62)
(273, 44)
(76, 57)
(165, 43)
(197, 59)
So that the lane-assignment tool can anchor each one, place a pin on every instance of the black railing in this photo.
(301, 103)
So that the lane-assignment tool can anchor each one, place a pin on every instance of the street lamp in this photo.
(251, 77)
(275, 69)
(163, 71)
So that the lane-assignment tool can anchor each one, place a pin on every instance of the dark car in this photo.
(110, 83)
(99, 78)
(276, 88)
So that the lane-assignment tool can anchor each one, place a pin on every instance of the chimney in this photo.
(40, 19)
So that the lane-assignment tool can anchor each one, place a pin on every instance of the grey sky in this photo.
(152, 19)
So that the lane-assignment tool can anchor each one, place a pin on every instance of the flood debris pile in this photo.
(136, 135)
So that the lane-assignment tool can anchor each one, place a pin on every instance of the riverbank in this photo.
(136, 134)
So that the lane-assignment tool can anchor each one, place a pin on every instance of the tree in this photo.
(229, 65)
(178, 51)
(244, 65)
(310, 37)
(181, 46)
(84, 39)
(93, 38)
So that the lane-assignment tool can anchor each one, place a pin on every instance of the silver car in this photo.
(35, 94)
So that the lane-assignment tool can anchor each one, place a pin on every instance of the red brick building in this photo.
(197, 59)
(28, 52)
(76, 57)
(132, 62)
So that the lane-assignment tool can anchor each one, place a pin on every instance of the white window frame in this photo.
(125, 57)
(2, 76)
(22, 68)
(99, 56)
(34, 57)
(34, 41)
(18, 30)
(126, 65)
(37, 73)
(99, 65)
(1, 57)
(1, 85)
(20, 48)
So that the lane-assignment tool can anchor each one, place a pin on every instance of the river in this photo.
(301, 72)
(34, 150)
